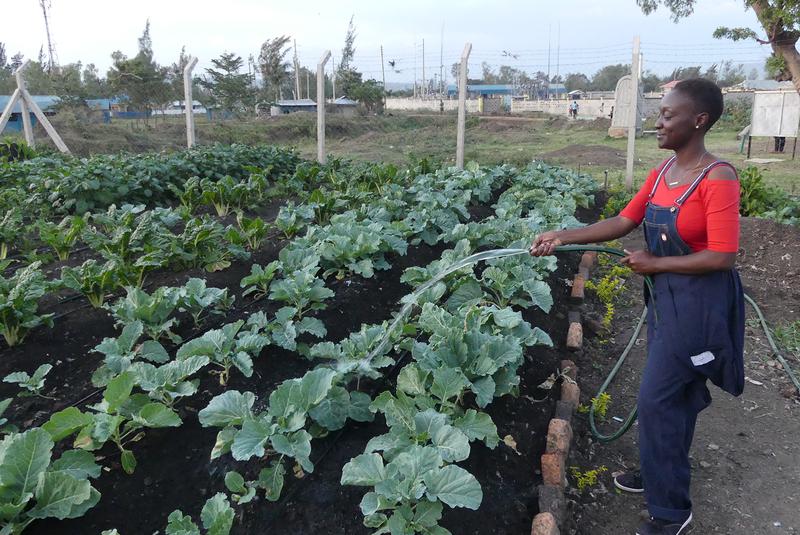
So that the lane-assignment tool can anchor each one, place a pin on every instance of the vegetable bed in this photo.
(303, 422)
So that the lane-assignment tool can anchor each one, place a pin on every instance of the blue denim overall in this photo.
(697, 334)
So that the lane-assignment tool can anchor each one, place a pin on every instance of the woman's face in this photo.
(677, 121)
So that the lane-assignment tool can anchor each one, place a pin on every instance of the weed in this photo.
(609, 288)
(788, 336)
(587, 479)
(600, 404)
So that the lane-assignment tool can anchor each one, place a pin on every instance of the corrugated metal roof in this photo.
(344, 101)
(45, 102)
(763, 85)
(297, 102)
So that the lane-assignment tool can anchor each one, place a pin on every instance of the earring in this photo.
(696, 126)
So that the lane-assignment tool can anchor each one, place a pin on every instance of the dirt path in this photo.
(746, 452)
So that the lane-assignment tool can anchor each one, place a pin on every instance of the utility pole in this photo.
(558, 51)
(296, 73)
(424, 86)
(462, 105)
(308, 85)
(383, 70)
(51, 51)
(415, 68)
(333, 79)
(549, 40)
(441, 63)
(633, 114)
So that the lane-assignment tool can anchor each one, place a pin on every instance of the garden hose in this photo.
(626, 425)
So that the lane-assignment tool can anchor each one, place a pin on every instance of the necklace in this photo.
(700, 159)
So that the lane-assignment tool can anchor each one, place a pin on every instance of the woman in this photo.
(690, 209)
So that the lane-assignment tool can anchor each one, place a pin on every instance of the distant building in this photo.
(292, 106)
(178, 107)
(669, 86)
(345, 106)
(47, 103)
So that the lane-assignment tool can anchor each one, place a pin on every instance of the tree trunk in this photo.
(783, 42)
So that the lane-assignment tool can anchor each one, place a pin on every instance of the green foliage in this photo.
(12, 150)
(587, 479)
(788, 336)
(227, 348)
(609, 288)
(11, 226)
(37, 487)
(599, 404)
(94, 280)
(32, 384)
(216, 517)
(259, 280)
(154, 311)
(19, 302)
(119, 418)
(120, 353)
(757, 199)
(230, 90)
(617, 200)
(67, 184)
(61, 237)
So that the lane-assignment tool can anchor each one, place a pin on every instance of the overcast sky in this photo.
(592, 33)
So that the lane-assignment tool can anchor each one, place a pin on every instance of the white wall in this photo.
(418, 104)
(589, 108)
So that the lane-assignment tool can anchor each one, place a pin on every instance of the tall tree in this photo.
(780, 29)
(347, 77)
(606, 78)
(230, 89)
(139, 79)
(273, 66)
(577, 80)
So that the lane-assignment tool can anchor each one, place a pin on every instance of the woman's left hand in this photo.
(642, 262)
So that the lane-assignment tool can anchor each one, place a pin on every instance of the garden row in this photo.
(450, 361)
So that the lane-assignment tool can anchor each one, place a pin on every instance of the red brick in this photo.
(570, 392)
(578, 285)
(544, 524)
(559, 437)
(584, 272)
(588, 260)
(553, 469)
(569, 369)
(575, 336)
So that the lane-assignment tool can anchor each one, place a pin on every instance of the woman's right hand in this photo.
(545, 244)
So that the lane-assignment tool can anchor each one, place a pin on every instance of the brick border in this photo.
(552, 502)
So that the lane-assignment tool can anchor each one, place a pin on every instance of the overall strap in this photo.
(679, 202)
(661, 173)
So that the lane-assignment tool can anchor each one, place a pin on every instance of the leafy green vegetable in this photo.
(32, 384)
(93, 280)
(19, 303)
(258, 281)
(216, 517)
(36, 487)
(154, 311)
(121, 352)
(62, 236)
(10, 228)
(119, 418)
(226, 348)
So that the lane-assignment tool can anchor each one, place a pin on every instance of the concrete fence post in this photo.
(188, 100)
(462, 105)
(321, 106)
(633, 115)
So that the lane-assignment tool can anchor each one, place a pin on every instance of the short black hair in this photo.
(706, 96)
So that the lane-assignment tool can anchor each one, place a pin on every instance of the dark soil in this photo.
(174, 471)
(745, 452)
(585, 155)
